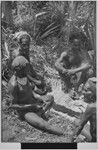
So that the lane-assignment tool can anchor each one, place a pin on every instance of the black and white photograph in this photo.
(48, 72)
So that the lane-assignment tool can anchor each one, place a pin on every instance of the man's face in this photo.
(21, 73)
(89, 90)
(25, 43)
(76, 44)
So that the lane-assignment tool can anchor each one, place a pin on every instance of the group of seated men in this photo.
(29, 90)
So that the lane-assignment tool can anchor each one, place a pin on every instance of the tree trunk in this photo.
(7, 12)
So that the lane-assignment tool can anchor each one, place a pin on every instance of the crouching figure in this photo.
(90, 113)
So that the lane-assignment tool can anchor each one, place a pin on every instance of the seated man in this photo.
(30, 106)
(24, 100)
(90, 113)
(73, 62)
(21, 89)
(24, 39)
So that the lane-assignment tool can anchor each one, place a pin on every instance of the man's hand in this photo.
(64, 71)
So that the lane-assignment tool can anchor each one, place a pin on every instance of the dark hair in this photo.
(19, 62)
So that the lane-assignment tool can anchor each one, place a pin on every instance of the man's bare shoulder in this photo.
(61, 58)
(63, 54)
(91, 108)
(12, 83)
(12, 80)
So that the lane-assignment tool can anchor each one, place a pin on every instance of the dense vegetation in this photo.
(50, 25)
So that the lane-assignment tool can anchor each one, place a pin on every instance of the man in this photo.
(26, 102)
(90, 113)
(24, 39)
(74, 62)
(21, 89)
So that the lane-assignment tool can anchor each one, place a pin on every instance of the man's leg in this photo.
(66, 84)
(46, 104)
(83, 121)
(85, 75)
(81, 80)
(37, 122)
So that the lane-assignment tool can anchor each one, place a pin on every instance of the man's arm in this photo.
(12, 89)
(34, 74)
(83, 67)
(25, 107)
(37, 96)
(19, 107)
(85, 118)
(12, 84)
(83, 121)
(35, 81)
(85, 64)
(59, 63)
(40, 92)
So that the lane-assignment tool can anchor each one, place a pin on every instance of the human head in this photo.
(77, 39)
(76, 44)
(24, 40)
(20, 66)
(90, 88)
(91, 85)
(20, 34)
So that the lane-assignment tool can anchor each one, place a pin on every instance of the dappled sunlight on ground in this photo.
(64, 104)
